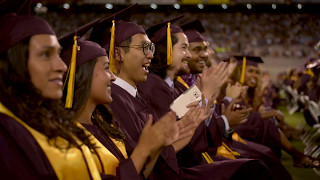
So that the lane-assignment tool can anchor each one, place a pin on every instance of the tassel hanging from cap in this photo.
(231, 61)
(243, 71)
(111, 49)
(169, 46)
(71, 74)
(309, 71)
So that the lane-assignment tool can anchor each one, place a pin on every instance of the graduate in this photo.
(198, 49)
(92, 89)
(261, 127)
(132, 54)
(161, 82)
(38, 140)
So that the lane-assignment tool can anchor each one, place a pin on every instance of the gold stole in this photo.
(108, 160)
(236, 137)
(67, 164)
(180, 80)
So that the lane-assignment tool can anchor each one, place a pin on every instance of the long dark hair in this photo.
(158, 64)
(102, 116)
(254, 94)
(24, 100)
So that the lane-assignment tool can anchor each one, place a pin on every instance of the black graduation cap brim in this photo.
(87, 50)
(67, 39)
(100, 31)
(194, 25)
(250, 60)
(230, 59)
(158, 31)
(193, 31)
(15, 28)
(15, 6)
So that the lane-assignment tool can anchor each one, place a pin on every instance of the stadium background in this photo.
(283, 32)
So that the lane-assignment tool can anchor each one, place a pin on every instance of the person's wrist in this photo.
(207, 94)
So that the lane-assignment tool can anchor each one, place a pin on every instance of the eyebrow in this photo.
(145, 41)
(51, 47)
(197, 47)
(185, 44)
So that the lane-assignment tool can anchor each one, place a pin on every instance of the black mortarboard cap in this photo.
(159, 31)
(250, 60)
(124, 29)
(77, 52)
(110, 32)
(86, 50)
(15, 28)
(193, 31)
(21, 7)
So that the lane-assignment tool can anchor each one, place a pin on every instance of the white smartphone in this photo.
(179, 105)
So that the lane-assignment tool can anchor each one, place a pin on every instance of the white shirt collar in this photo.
(169, 82)
(126, 86)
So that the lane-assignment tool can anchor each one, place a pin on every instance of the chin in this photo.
(252, 85)
(144, 79)
(53, 95)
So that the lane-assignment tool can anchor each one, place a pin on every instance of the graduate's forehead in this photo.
(140, 38)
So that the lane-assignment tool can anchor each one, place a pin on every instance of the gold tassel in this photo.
(231, 61)
(111, 49)
(169, 46)
(309, 71)
(71, 76)
(243, 71)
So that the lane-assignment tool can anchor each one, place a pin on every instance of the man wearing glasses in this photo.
(130, 53)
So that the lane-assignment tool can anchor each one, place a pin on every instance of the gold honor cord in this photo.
(207, 157)
(235, 153)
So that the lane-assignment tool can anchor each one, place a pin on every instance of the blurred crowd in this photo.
(262, 34)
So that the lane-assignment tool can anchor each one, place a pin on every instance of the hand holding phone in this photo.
(179, 105)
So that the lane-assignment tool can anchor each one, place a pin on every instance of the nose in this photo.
(149, 55)
(112, 77)
(59, 65)
(204, 54)
(188, 54)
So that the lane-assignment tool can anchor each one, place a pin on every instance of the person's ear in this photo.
(117, 54)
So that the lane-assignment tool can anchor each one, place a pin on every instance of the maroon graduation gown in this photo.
(131, 114)
(159, 95)
(126, 169)
(262, 131)
(262, 138)
(21, 157)
(206, 139)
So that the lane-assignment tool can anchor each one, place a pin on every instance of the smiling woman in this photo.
(45, 66)
(38, 139)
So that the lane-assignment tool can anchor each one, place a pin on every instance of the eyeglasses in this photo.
(146, 47)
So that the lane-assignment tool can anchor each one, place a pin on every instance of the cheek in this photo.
(36, 74)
